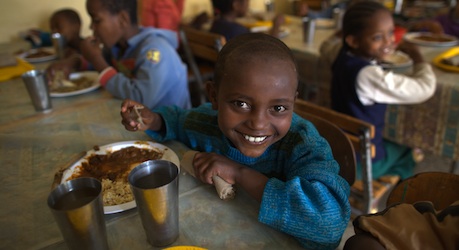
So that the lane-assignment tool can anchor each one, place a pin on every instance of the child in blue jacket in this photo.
(249, 136)
(136, 63)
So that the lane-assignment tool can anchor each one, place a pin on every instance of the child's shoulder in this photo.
(151, 37)
(301, 126)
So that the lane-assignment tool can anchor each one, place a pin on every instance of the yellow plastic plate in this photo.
(437, 61)
(185, 248)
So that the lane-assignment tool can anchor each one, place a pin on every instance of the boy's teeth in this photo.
(255, 139)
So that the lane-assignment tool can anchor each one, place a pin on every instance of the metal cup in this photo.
(59, 44)
(78, 210)
(154, 184)
(37, 86)
(269, 5)
(309, 28)
(338, 14)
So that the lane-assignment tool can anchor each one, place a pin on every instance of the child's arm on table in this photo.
(375, 84)
(412, 51)
(208, 165)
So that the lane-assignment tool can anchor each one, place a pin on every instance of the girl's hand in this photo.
(136, 117)
(412, 51)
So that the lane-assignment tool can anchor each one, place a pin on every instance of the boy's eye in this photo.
(242, 105)
(377, 37)
(279, 109)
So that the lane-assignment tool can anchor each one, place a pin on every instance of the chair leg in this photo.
(454, 167)
(367, 177)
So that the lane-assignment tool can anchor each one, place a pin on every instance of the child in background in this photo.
(249, 136)
(226, 12)
(163, 14)
(362, 88)
(442, 24)
(137, 63)
(64, 21)
(67, 22)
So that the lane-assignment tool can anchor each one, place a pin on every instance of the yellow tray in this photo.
(437, 61)
(9, 72)
(185, 248)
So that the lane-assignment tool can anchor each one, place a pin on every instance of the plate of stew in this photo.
(112, 163)
(39, 55)
(431, 39)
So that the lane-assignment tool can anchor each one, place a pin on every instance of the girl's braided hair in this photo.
(356, 18)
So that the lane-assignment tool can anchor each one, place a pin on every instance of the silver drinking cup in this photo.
(154, 184)
(38, 89)
(309, 28)
(78, 210)
(58, 44)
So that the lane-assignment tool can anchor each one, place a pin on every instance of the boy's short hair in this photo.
(69, 14)
(250, 47)
(222, 6)
(116, 6)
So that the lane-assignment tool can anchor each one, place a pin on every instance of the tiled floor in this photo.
(430, 163)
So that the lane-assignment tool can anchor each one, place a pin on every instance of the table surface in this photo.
(33, 146)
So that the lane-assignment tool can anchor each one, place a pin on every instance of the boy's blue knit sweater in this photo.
(304, 197)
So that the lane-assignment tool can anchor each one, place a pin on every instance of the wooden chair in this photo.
(341, 146)
(360, 134)
(204, 46)
(442, 189)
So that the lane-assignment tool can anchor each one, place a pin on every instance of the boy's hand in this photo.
(278, 21)
(207, 165)
(136, 117)
(91, 50)
(66, 66)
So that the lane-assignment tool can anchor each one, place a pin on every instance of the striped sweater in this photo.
(304, 197)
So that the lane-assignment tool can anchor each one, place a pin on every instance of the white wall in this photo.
(20, 15)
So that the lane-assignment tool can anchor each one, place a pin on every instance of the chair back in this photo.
(204, 45)
(341, 146)
(442, 189)
(360, 134)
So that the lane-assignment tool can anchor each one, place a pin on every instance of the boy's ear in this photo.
(351, 41)
(212, 94)
(125, 19)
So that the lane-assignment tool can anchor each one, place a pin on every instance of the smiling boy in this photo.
(250, 136)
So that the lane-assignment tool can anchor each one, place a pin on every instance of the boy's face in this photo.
(377, 40)
(61, 24)
(107, 28)
(255, 104)
(241, 7)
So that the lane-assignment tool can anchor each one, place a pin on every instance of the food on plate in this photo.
(396, 59)
(434, 38)
(38, 53)
(113, 168)
(137, 109)
(62, 85)
(453, 61)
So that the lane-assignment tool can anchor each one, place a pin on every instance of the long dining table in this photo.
(34, 146)
(432, 126)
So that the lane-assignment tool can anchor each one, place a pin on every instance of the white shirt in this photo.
(376, 85)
